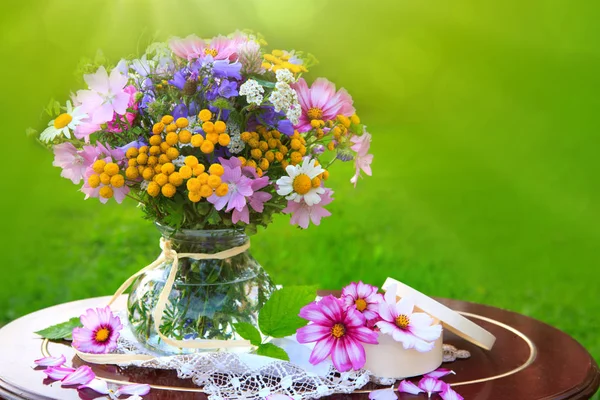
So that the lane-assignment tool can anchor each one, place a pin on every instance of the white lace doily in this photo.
(229, 376)
(226, 376)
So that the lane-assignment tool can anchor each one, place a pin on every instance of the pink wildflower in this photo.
(302, 213)
(337, 332)
(321, 102)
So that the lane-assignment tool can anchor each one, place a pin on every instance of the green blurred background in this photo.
(484, 118)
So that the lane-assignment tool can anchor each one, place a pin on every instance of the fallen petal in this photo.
(140, 389)
(431, 385)
(450, 394)
(409, 387)
(383, 394)
(82, 376)
(58, 373)
(439, 373)
(51, 361)
(97, 385)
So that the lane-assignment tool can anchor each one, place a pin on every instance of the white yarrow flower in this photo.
(298, 185)
(284, 75)
(285, 99)
(253, 92)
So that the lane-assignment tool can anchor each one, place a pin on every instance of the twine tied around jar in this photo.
(168, 254)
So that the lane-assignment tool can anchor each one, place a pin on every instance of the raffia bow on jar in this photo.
(171, 256)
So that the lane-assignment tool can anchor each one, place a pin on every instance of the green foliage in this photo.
(279, 316)
(270, 350)
(60, 331)
(248, 332)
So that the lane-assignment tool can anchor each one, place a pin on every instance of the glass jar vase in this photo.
(208, 296)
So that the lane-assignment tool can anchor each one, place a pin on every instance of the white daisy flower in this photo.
(64, 123)
(300, 183)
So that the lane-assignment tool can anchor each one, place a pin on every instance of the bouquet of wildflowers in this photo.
(208, 134)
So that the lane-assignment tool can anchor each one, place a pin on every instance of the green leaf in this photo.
(248, 332)
(270, 350)
(279, 316)
(213, 217)
(265, 83)
(60, 331)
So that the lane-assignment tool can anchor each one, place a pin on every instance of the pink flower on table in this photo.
(99, 333)
(51, 361)
(105, 97)
(73, 162)
(449, 394)
(81, 376)
(413, 330)
(58, 373)
(113, 126)
(383, 394)
(363, 160)
(431, 385)
(321, 102)
(337, 332)
(101, 386)
(363, 298)
(240, 187)
(409, 387)
(439, 373)
(302, 213)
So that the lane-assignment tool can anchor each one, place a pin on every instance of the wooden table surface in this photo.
(530, 361)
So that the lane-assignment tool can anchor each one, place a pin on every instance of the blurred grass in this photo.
(485, 125)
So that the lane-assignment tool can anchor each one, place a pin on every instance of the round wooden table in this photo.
(530, 361)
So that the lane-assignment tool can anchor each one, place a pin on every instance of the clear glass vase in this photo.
(208, 296)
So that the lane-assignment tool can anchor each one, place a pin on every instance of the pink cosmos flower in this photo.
(189, 47)
(105, 97)
(240, 187)
(449, 394)
(58, 373)
(219, 47)
(80, 376)
(74, 163)
(51, 361)
(431, 385)
(414, 330)
(383, 394)
(439, 373)
(363, 298)
(337, 332)
(363, 160)
(99, 333)
(409, 387)
(113, 126)
(302, 213)
(321, 102)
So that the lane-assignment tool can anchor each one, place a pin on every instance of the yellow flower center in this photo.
(212, 52)
(102, 335)
(338, 330)
(402, 321)
(62, 120)
(302, 184)
(314, 113)
(361, 304)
